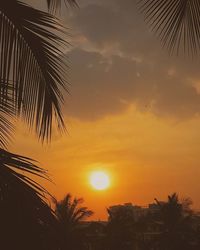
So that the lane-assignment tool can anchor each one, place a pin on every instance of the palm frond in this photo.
(82, 214)
(74, 205)
(55, 5)
(24, 214)
(176, 22)
(7, 113)
(69, 211)
(6, 128)
(32, 58)
(19, 166)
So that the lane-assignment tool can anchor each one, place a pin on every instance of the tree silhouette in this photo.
(26, 220)
(32, 66)
(176, 220)
(176, 22)
(70, 214)
(33, 77)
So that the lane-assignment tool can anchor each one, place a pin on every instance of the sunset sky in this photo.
(133, 112)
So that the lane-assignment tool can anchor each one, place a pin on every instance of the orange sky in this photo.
(133, 111)
(146, 157)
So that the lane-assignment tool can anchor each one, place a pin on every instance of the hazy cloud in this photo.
(116, 61)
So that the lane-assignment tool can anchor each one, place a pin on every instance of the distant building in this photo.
(135, 210)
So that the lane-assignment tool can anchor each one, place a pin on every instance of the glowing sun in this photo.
(99, 180)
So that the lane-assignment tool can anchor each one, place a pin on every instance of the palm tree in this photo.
(176, 224)
(32, 77)
(177, 23)
(70, 215)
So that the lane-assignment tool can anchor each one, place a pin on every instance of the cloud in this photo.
(116, 61)
(103, 86)
(115, 23)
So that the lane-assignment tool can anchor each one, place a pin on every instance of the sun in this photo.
(99, 180)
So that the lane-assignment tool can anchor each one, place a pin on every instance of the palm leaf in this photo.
(6, 114)
(176, 22)
(69, 211)
(24, 214)
(32, 58)
(82, 214)
(55, 5)
(18, 166)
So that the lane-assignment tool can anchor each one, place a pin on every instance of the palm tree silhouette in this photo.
(32, 79)
(177, 23)
(176, 218)
(70, 215)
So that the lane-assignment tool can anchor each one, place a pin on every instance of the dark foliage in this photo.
(177, 23)
(170, 225)
(55, 5)
(32, 65)
(26, 220)
(70, 213)
(177, 232)
(121, 229)
(7, 113)
(33, 73)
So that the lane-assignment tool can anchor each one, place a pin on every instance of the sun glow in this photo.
(99, 180)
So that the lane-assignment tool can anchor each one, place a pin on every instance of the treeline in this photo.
(168, 225)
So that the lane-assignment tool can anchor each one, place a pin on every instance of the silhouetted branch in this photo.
(32, 59)
(55, 5)
(176, 22)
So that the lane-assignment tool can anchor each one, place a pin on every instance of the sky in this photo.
(133, 111)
